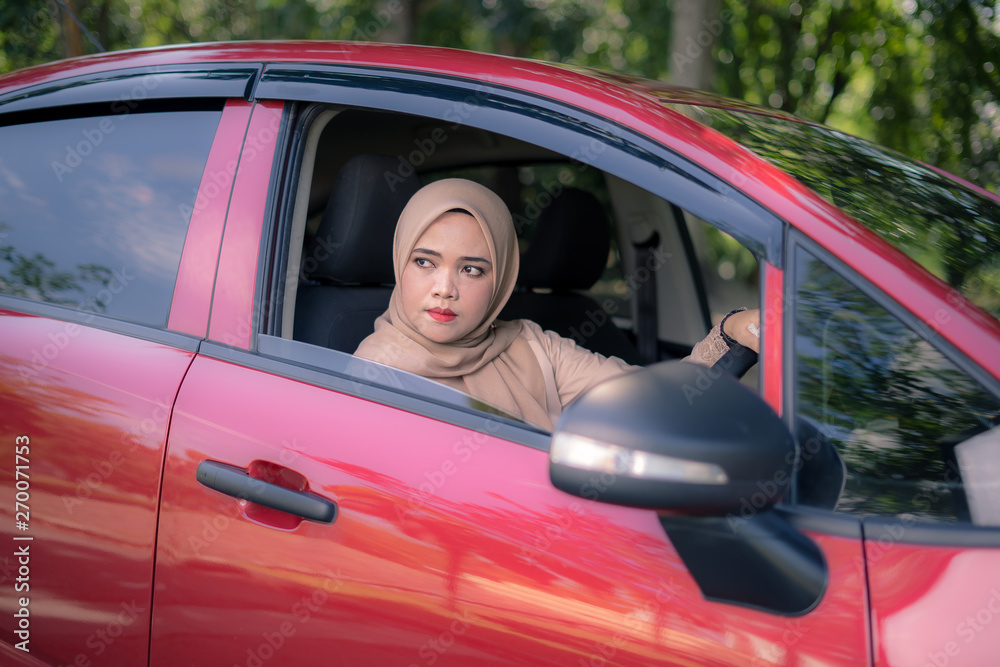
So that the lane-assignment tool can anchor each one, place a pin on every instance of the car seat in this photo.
(566, 256)
(348, 265)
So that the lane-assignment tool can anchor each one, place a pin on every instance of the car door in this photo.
(104, 190)
(417, 528)
(915, 423)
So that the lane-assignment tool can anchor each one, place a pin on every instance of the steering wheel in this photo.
(737, 361)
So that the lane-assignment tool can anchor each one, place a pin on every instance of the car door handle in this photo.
(235, 482)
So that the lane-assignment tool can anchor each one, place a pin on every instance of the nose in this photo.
(445, 286)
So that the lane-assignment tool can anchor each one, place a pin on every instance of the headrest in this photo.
(570, 246)
(354, 241)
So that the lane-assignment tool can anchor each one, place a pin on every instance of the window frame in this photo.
(662, 171)
(312, 365)
(69, 96)
(220, 80)
(86, 318)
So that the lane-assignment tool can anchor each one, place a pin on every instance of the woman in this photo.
(456, 260)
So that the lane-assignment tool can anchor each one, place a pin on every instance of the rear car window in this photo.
(95, 209)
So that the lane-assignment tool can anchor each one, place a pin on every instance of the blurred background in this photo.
(920, 76)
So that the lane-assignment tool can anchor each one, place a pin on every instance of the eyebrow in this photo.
(435, 253)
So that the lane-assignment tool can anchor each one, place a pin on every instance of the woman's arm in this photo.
(575, 369)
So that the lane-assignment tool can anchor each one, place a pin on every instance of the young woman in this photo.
(456, 261)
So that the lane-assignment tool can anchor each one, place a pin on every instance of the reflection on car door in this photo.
(450, 547)
(96, 432)
(88, 373)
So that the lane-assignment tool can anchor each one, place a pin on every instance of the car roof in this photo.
(631, 101)
(628, 101)
(411, 57)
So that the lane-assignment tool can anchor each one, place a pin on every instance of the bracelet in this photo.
(730, 341)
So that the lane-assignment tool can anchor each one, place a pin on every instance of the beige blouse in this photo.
(569, 369)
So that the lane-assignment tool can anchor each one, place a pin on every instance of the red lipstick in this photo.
(441, 314)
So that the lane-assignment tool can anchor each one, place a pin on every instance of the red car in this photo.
(197, 471)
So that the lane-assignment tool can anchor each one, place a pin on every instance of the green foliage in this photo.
(920, 76)
(952, 232)
(729, 257)
(28, 34)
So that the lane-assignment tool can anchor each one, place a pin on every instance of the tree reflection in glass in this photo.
(892, 404)
(37, 277)
(951, 230)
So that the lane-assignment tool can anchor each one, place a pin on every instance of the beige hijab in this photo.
(493, 362)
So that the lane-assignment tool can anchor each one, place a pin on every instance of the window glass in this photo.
(950, 229)
(728, 268)
(917, 435)
(95, 209)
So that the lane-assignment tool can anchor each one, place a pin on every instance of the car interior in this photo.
(618, 269)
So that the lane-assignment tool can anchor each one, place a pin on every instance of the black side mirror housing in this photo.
(712, 458)
(676, 437)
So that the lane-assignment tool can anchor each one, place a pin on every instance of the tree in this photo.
(696, 25)
(917, 76)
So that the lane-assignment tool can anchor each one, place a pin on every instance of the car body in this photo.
(176, 368)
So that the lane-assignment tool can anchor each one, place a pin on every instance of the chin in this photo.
(439, 336)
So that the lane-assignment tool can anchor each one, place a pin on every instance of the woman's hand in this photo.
(744, 328)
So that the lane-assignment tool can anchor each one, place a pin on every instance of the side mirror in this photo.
(712, 458)
(676, 437)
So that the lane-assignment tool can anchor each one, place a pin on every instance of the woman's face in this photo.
(447, 283)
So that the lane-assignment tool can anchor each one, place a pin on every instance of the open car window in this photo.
(584, 273)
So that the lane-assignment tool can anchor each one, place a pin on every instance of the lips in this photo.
(441, 314)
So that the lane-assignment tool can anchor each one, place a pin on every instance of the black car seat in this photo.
(566, 256)
(348, 265)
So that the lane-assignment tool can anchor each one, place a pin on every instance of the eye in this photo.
(423, 262)
(471, 270)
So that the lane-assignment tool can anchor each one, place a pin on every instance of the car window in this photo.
(729, 270)
(96, 208)
(917, 435)
(582, 274)
(946, 227)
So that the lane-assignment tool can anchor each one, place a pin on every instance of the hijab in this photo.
(494, 362)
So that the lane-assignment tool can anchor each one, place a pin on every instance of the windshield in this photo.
(951, 230)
